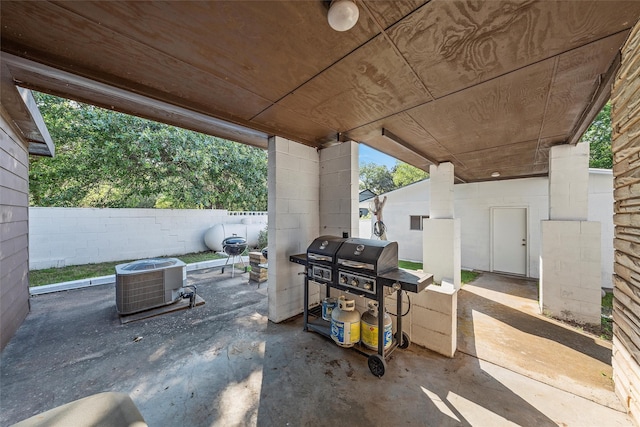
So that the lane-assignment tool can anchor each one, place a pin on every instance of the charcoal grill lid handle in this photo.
(316, 257)
(355, 264)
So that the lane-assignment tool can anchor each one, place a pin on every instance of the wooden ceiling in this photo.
(487, 85)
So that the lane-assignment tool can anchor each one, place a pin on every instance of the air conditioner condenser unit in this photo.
(149, 283)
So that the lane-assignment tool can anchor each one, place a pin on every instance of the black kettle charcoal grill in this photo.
(234, 246)
(361, 267)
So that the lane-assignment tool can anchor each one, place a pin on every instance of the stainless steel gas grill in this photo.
(362, 267)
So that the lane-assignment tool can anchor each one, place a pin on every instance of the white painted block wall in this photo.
(472, 207)
(339, 180)
(569, 182)
(570, 282)
(294, 191)
(72, 236)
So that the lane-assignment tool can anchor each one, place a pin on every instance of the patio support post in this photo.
(339, 212)
(294, 188)
(339, 182)
(570, 256)
(433, 319)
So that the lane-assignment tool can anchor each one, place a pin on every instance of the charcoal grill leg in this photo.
(225, 265)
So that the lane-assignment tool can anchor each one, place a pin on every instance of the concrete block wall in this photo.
(441, 249)
(569, 182)
(601, 210)
(472, 205)
(339, 182)
(71, 236)
(339, 186)
(294, 197)
(14, 217)
(434, 319)
(442, 192)
(570, 270)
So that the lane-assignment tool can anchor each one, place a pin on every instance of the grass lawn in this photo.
(467, 276)
(606, 322)
(76, 272)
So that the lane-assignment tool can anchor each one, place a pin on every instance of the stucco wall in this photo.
(73, 236)
(14, 251)
(473, 203)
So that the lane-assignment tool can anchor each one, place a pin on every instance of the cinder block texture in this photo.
(570, 270)
(569, 182)
(441, 249)
(293, 221)
(442, 194)
(339, 185)
(434, 323)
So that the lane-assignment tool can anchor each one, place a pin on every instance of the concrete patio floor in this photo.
(224, 364)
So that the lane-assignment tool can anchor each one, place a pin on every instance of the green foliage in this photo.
(379, 179)
(263, 238)
(405, 174)
(107, 159)
(599, 138)
(49, 276)
(376, 178)
(466, 276)
(409, 265)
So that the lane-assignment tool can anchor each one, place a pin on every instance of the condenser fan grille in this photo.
(138, 292)
(146, 284)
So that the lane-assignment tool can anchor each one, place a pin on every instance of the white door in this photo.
(509, 243)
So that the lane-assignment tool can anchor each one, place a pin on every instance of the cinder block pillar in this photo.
(441, 231)
(569, 182)
(570, 261)
(339, 183)
(434, 311)
(294, 188)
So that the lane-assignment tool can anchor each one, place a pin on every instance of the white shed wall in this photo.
(473, 203)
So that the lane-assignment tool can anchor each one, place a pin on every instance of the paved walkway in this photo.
(498, 321)
(225, 364)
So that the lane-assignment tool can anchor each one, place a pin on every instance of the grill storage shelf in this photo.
(365, 268)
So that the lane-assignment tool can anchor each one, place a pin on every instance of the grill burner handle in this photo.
(355, 264)
(315, 257)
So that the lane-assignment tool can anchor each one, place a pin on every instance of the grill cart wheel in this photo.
(405, 341)
(377, 365)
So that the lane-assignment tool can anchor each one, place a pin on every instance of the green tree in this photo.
(376, 178)
(405, 174)
(599, 138)
(108, 159)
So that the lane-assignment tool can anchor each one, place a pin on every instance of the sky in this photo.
(369, 155)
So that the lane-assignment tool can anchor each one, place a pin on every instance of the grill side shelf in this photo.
(409, 281)
(299, 259)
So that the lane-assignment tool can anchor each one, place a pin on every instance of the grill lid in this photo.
(234, 241)
(324, 248)
(376, 256)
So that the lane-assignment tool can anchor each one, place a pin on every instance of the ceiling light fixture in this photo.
(343, 15)
(495, 174)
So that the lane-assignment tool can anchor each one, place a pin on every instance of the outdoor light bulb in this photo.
(343, 15)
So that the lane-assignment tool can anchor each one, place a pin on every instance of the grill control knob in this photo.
(343, 280)
(355, 283)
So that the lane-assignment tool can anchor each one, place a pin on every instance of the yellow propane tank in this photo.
(345, 323)
(369, 326)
